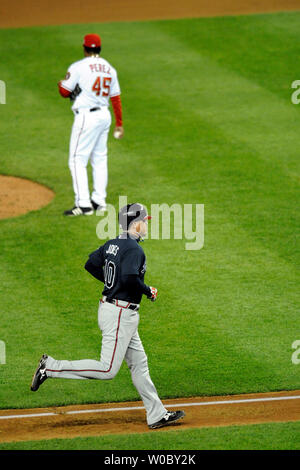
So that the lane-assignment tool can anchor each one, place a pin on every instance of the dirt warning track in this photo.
(125, 418)
(34, 12)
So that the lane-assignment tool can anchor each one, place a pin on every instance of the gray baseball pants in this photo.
(120, 340)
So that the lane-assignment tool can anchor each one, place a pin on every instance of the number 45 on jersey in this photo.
(101, 86)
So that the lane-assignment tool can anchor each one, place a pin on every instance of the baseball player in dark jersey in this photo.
(121, 265)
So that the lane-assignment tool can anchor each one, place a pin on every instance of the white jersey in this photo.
(97, 79)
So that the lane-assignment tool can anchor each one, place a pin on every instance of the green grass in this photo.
(275, 436)
(208, 120)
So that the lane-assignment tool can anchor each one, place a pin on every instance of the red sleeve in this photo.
(64, 93)
(117, 107)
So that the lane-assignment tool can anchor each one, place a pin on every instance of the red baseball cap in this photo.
(92, 40)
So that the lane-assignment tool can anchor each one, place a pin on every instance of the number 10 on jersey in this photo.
(101, 86)
(109, 273)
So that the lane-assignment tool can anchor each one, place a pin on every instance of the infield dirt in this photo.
(19, 196)
(127, 418)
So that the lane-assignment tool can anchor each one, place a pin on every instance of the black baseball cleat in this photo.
(170, 418)
(100, 207)
(40, 374)
(79, 211)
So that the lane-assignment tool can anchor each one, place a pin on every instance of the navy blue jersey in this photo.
(122, 265)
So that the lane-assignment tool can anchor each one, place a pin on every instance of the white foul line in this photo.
(131, 408)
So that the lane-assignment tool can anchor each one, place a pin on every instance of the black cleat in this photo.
(95, 205)
(40, 374)
(170, 418)
(79, 211)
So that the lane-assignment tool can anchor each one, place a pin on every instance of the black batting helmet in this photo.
(132, 213)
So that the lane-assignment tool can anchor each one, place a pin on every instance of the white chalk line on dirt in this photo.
(133, 408)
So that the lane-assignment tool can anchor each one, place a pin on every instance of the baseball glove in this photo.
(77, 90)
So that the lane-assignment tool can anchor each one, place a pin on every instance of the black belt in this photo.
(116, 302)
(91, 110)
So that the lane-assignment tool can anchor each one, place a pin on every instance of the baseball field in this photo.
(210, 119)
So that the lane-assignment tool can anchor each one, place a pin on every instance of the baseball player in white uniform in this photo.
(121, 265)
(91, 83)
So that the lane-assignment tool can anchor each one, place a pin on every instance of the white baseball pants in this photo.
(120, 340)
(89, 141)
